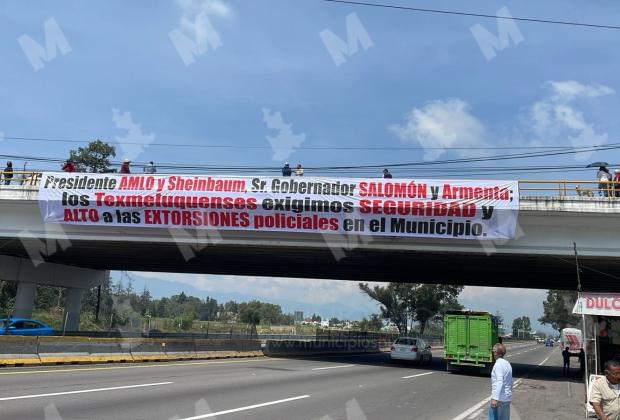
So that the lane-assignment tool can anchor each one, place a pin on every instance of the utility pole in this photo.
(98, 303)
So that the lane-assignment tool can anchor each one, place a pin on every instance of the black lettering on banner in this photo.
(487, 212)
(258, 185)
(353, 225)
(107, 217)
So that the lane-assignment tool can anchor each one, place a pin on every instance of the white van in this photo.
(571, 338)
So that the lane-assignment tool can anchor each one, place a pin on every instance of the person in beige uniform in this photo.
(605, 397)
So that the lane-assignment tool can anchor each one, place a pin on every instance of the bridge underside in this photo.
(495, 269)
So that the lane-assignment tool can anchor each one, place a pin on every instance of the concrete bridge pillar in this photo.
(24, 300)
(72, 309)
(28, 275)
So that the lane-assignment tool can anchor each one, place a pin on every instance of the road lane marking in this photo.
(164, 364)
(419, 374)
(472, 410)
(82, 391)
(333, 367)
(249, 407)
(481, 404)
(543, 362)
(476, 414)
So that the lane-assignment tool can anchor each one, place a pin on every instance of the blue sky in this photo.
(424, 82)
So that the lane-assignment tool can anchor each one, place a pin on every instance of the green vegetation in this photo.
(521, 327)
(93, 158)
(123, 308)
(405, 303)
(558, 309)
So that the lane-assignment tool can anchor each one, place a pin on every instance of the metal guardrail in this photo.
(564, 188)
(28, 178)
(323, 336)
(139, 334)
(527, 187)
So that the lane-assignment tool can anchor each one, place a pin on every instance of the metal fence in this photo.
(527, 187)
(321, 335)
(249, 332)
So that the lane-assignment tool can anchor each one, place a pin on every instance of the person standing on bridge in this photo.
(8, 173)
(125, 167)
(387, 174)
(150, 168)
(286, 170)
(617, 182)
(605, 396)
(501, 385)
(68, 166)
(604, 177)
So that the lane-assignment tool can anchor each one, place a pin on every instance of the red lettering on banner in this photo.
(81, 215)
(474, 193)
(418, 208)
(615, 303)
(393, 189)
(589, 303)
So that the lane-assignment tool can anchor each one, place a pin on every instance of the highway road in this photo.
(343, 387)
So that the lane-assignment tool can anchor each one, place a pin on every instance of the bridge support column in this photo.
(27, 275)
(24, 300)
(72, 309)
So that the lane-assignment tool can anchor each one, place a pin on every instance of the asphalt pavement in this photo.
(346, 387)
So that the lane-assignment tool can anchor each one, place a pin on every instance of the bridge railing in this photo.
(527, 187)
(565, 188)
(26, 178)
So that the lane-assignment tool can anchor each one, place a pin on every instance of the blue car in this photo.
(24, 326)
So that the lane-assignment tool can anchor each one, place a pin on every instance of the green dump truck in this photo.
(469, 337)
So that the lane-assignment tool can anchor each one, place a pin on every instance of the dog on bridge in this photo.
(584, 192)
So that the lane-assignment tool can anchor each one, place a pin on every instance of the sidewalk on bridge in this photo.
(545, 394)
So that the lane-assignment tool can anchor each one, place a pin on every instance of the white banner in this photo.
(598, 304)
(459, 209)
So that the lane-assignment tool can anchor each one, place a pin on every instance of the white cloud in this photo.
(570, 89)
(191, 8)
(440, 125)
(556, 117)
(195, 13)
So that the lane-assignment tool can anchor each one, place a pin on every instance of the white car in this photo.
(411, 348)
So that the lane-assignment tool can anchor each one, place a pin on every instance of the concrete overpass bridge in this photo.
(541, 255)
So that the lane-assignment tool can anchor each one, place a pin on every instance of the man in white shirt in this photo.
(605, 396)
(501, 385)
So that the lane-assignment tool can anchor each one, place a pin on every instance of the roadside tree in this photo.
(558, 309)
(93, 158)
